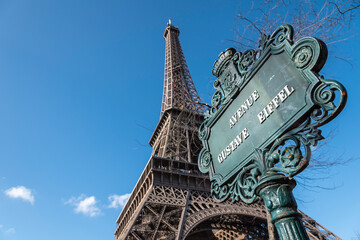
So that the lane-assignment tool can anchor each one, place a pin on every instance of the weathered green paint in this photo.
(276, 73)
(276, 191)
(246, 156)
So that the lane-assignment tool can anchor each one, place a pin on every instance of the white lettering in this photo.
(289, 92)
(255, 95)
(266, 113)
(220, 159)
(261, 117)
(275, 103)
(236, 142)
(233, 145)
(270, 107)
(231, 123)
(244, 106)
(245, 133)
(249, 101)
(282, 95)
(228, 150)
(238, 137)
(242, 110)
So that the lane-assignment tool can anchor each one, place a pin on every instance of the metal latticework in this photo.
(172, 199)
(179, 90)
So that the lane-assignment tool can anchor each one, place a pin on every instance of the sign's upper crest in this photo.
(265, 112)
(305, 54)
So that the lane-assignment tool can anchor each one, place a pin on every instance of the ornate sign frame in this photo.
(288, 149)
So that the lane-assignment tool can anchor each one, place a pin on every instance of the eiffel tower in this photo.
(172, 199)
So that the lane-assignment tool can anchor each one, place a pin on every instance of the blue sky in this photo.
(80, 94)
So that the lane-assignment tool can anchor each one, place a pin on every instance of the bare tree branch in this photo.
(327, 20)
(347, 10)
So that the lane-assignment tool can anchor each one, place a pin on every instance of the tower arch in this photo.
(231, 220)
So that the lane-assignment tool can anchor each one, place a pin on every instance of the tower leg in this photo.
(276, 191)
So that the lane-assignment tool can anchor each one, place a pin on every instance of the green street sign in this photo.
(265, 113)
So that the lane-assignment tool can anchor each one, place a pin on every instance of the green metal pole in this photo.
(276, 191)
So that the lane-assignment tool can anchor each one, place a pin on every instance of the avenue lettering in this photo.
(238, 140)
(275, 103)
(262, 116)
(242, 109)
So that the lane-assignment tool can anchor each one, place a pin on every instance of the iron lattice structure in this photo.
(179, 90)
(172, 199)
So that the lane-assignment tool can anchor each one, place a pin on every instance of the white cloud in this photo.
(117, 201)
(6, 231)
(22, 193)
(10, 231)
(85, 205)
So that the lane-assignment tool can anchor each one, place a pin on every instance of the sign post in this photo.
(265, 115)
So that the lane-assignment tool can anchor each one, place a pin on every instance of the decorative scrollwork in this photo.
(311, 136)
(282, 33)
(324, 95)
(203, 131)
(289, 150)
(292, 150)
(289, 154)
(219, 193)
(290, 157)
(242, 187)
(229, 81)
(224, 58)
(216, 99)
(236, 56)
(303, 57)
(246, 61)
(232, 67)
(204, 160)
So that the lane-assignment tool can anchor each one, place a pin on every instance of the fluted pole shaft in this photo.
(276, 191)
